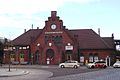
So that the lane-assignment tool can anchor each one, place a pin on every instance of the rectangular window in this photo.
(21, 55)
(12, 57)
(24, 48)
(96, 58)
(81, 58)
(91, 59)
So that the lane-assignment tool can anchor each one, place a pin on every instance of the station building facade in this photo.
(55, 44)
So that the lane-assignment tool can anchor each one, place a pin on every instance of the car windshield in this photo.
(67, 61)
(118, 62)
(70, 61)
(99, 62)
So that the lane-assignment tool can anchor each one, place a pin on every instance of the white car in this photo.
(97, 64)
(116, 64)
(70, 63)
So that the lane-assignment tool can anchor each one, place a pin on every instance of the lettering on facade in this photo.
(60, 32)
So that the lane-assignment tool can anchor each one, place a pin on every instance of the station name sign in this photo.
(60, 32)
(68, 47)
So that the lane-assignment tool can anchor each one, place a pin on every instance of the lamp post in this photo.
(31, 59)
(9, 53)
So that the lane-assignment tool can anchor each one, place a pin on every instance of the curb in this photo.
(14, 74)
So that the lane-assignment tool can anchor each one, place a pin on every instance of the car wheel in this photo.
(62, 66)
(75, 66)
(104, 66)
(92, 67)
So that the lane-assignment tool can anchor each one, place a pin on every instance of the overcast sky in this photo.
(17, 15)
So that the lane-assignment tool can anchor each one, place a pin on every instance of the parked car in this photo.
(24, 63)
(97, 64)
(70, 63)
(15, 62)
(116, 64)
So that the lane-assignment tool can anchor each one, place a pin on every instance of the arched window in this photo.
(12, 57)
(49, 53)
(53, 37)
(37, 55)
(58, 40)
(21, 56)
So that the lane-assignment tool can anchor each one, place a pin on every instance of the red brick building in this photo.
(54, 44)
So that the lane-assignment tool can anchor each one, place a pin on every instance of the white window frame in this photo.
(96, 58)
(91, 59)
(82, 58)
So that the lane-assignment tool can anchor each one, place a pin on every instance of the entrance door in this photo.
(37, 57)
(68, 54)
(69, 57)
(49, 56)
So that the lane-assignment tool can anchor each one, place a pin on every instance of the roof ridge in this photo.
(78, 29)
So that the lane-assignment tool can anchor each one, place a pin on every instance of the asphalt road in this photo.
(38, 72)
(68, 71)
(55, 69)
(104, 74)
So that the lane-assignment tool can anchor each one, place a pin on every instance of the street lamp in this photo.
(31, 58)
(38, 44)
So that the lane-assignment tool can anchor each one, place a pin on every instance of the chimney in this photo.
(99, 31)
(37, 27)
(113, 35)
(24, 30)
(32, 26)
(53, 13)
(64, 27)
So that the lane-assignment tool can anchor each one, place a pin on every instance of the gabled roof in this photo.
(88, 39)
(27, 37)
(109, 41)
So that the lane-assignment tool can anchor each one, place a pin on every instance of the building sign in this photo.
(59, 32)
(68, 47)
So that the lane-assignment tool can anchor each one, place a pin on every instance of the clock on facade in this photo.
(53, 26)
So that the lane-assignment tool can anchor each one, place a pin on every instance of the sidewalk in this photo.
(30, 66)
(4, 72)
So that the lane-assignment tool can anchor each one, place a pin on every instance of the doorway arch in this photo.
(69, 54)
(49, 56)
(37, 53)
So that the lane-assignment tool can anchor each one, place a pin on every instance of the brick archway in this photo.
(49, 56)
